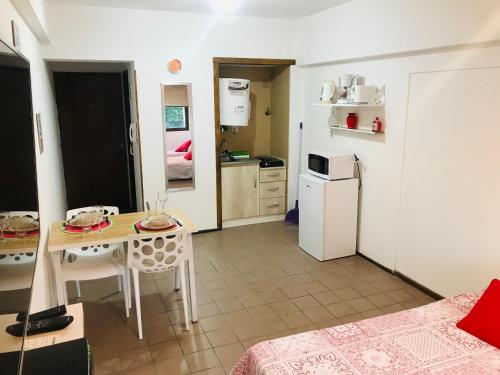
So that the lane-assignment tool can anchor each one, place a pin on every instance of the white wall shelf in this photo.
(346, 129)
(348, 105)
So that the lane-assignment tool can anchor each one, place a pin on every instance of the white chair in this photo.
(158, 252)
(95, 261)
(16, 270)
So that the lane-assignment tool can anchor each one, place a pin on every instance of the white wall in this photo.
(384, 28)
(51, 193)
(151, 39)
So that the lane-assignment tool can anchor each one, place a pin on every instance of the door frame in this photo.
(217, 62)
(140, 207)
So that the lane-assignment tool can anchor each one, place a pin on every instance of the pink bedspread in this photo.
(420, 341)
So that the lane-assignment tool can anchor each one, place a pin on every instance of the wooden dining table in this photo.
(122, 226)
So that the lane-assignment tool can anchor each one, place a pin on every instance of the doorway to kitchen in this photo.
(251, 152)
(99, 134)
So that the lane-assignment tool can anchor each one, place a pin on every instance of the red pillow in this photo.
(483, 321)
(184, 146)
(189, 155)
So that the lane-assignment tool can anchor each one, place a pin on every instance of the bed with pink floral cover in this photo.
(422, 340)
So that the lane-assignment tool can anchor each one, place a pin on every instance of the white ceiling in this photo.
(255, 8)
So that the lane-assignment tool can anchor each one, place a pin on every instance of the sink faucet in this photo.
(223, 146)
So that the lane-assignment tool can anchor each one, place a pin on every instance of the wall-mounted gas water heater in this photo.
(234, 98)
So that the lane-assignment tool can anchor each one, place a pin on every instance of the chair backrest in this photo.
(33, 214)
(108, 210)
(157, 252)
(92, 250)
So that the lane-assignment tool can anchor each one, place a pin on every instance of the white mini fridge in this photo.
(328, 216)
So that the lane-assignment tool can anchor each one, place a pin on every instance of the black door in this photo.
(93, 111)
(18, 189)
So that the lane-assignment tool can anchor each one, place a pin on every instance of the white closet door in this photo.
(449, 237)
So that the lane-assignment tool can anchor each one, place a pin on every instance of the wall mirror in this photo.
(19, 223)
(177, 127)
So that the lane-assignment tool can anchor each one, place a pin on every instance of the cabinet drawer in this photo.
(269, 175)
(272, 206)
(272, 189)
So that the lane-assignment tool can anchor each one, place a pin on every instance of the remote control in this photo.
(40, 326)
(49, 313)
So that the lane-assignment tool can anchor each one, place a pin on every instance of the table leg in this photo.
(192, 286)
(56, 266)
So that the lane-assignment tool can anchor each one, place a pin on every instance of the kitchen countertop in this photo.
(237, 163)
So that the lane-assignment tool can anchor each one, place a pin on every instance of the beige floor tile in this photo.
(107, 366)
(148, 369)
(173, 366)
(318, 314)
(303, 278)
(400, 295)
(296, 319)
(351, 318)
(159, 334)
(380, 300)
(223, 294)
(393, 308)
(210, 309)
(237, 317)
(135, 358)
(328, 323)
(262, 312)
(253, 300)
(215, 285)
(294, 291)
(372, 313)
(284, 282)
(213, 323)
(211, 371)
(202, 360)
(155, 320)
(251, 342)
(191, 344)
(361, 304)
(306, 328)
(221, 337)
(347, 293)
(166, 350)
(365, 289)
(415, 303)
(340, 309)
(274, 295)
(305, 302)
(327, 298)
(284, 307)
(314, 287)
(229, 305)
(194, 329)
(229, 354)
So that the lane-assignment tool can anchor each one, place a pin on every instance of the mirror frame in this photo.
(189, 86)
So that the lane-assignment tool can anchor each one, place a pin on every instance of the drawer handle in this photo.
(273, 206)
(273, 189)
(273, 175)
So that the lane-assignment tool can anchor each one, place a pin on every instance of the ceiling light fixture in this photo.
(224, 6)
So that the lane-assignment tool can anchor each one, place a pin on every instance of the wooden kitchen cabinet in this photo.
(240, 191)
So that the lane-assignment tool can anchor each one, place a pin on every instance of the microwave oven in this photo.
(330, 166)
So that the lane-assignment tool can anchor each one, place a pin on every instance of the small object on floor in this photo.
(292, 216)
(49, 313)
(40, 326)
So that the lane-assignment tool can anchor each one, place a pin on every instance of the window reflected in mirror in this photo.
(178, 136)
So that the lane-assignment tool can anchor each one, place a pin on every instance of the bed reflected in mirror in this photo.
(19, 221)
(177, 130)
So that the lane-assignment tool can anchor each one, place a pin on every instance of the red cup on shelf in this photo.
(352, 121)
